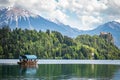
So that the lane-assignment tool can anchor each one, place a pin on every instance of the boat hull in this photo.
(27, 62)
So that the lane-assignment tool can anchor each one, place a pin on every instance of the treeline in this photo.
(53, 45)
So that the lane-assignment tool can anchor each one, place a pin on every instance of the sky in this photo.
(80, 14)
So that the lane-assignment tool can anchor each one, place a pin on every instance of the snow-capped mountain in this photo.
(21, 18)
(12, 16)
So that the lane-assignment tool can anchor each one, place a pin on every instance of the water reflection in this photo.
(60, 72)
(116, 75)
(78, 72)
(28, 70)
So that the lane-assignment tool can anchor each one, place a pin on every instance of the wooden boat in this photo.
(28, 60)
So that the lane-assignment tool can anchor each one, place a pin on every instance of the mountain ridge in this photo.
(112, 27)
(21, 18)
(29, 20)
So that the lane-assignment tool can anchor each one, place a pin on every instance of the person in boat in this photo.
(27, 59)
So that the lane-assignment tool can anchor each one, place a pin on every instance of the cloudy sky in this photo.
(81, 14)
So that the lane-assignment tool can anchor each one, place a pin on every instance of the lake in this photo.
(58, 70)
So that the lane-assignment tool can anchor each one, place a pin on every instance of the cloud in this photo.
(40, 5)
(59, 15)
(92, 13)
(82, 14)
(46, 8)
(89, 12)
(90, 20)
(113, 7)
(5, 3)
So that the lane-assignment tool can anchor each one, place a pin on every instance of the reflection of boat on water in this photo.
(28, 65)
(28, 70)
(28, 60)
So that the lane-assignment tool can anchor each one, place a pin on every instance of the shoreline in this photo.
(63, 61)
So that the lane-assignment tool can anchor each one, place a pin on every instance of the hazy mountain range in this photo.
(111, 27)
(16, 17)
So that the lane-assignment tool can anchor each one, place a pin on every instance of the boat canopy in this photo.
(28, 57)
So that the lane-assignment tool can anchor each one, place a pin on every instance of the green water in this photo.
(60, 72)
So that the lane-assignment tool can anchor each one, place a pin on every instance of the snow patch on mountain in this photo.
(10, 14)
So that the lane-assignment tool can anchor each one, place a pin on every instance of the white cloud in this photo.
(40, 5)
(63, 4)
(59, 15)
(90, 20)
(5, 3)
(89, 13)
(113, 7)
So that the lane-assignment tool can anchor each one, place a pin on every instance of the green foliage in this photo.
(102, 48)
(53, 45)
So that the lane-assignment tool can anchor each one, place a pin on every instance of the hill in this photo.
(110, 27)
(53, 45)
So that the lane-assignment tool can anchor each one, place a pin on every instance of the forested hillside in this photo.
(53, 45)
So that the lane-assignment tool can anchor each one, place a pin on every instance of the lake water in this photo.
(61, 71)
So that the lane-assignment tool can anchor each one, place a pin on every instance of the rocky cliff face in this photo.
(107, 36)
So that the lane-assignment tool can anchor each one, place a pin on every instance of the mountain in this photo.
(21, 18)
(112, 27)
